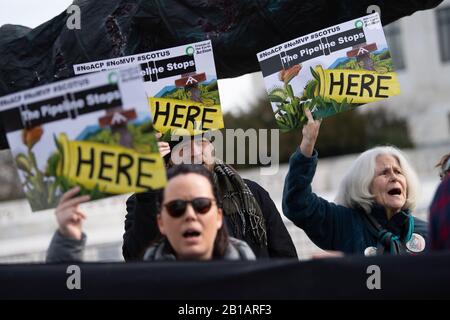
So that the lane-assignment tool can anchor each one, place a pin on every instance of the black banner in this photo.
(321, 47)
(160, 69)
(62, 107)
(101, 98)
(347, 39)
(424, 276)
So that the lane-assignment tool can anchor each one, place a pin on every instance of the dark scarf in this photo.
(392, 235)
(239, 204)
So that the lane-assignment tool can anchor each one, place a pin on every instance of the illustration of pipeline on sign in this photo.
(329, 71)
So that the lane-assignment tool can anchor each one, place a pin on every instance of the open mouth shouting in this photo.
(395, 192)
(394, 197)
(192, 235)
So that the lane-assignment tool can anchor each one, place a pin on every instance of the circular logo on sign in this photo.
(370, 252)
(190, 50)
(416, 243)
(113, 78)
(359, 24)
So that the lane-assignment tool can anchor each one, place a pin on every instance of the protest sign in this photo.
(94, 131)
(329, 71)
(181, 86)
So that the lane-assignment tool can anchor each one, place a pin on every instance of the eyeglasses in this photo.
(176, 208)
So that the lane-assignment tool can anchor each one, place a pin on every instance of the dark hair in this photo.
(222, 238)
(444, 165)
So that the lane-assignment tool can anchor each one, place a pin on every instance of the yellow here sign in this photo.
(184, 117)
(114, 169)
(358, 86)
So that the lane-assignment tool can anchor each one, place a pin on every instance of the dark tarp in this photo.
(114, 28)
(401, 277)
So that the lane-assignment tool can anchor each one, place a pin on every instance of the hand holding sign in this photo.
(68, 215)
(310, 132)
(163, 147)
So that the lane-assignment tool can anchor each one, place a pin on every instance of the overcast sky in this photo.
(30, 13)
(237, 93)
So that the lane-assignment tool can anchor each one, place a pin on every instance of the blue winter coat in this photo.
(331, 226)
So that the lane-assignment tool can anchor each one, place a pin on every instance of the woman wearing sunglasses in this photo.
(249, 212)
(189, 219)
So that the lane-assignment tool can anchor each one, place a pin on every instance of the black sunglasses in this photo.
(176, 208)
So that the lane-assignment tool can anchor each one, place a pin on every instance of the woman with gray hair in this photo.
(372, 213)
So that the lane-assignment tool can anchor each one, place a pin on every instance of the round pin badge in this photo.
(416, 243)
(370, 251)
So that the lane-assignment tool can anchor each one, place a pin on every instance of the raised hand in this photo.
(68, 215)
(310, 132)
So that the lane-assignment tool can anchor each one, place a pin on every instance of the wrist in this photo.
(306, 149)
(70, 234)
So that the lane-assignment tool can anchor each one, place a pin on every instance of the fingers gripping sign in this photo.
(163, 147)
(68, 215)
(310, 133)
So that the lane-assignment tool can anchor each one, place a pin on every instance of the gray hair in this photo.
(354, 190)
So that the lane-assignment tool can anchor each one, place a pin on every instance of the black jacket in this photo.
(141, 229)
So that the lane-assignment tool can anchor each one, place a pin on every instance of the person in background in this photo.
(440, 209)
(189, 219)
(444, 166)
(372, 214)
(249, 212)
